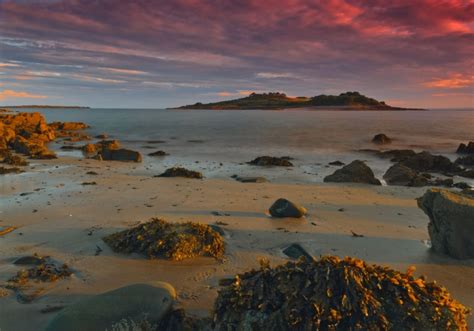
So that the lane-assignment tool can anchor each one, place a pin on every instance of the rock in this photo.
(271, 161)
(465, 160)
(425, 161)
(295, 251)
(181, 172)
(71, 148)
(121, 154)
(336, 163)
(108, 144)
(251, 179)
(14, 170)
(137, 302)
(451, 226)
(462, 185)
(355, 172)
(398, 174)
(286, 208)
(15, 160)
(102, 136)
(466, 148)
(381, 139)
(396, 155)
(158, 153)
(68, 126)
(467, 173)
(89, 149)
(29, 260)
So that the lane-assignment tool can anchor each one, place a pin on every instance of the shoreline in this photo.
(394, 230)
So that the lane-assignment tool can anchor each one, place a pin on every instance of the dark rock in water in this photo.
(295, 251)
(336, 163)
(398, 174)
(465, 160)
(285, 208)
(181, 172)
(173, 241)
(29, 260)
(335, 294)
(396, 155)
(102, 136)
(381, 139)
(466, 148)
(355, 172)
(451, 226)
(448, 182)
(107, 311)
(271, 161)
(217, 228)
(467, 173)
(251, 179)
(178, 320)
(121, 154)
(92, 173)
(158, 153)
(14, 170)
(88, 183)
(468, 193)
(425, 161)
(462, 185)
(68, 126)
(15, 160)
(71, 148)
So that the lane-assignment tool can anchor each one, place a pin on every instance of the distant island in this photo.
(277, 100)
(46, 106)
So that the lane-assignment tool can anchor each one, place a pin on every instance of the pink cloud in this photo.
(11, 94)
(452, 82)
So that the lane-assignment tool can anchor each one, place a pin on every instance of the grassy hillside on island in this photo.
(276, 100)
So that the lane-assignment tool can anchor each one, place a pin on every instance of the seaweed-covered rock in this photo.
(173, 241)
(335, 294)
(271, 161)
(381, 139)
(355, 172)
(466, 148)
(286, 208)
(451, 226)
(181, 172)
(124, 306)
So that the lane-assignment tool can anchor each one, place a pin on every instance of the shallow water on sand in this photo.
(232, 137)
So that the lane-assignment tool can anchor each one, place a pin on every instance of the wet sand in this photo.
(66, 220)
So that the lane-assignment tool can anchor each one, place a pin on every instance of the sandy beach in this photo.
(55, 215)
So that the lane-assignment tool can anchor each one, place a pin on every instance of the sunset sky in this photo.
(143, 53)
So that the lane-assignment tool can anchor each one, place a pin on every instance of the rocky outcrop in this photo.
(285, 208)
(466, 148)
(467, 161)
(426, 162)
(271, 161)
(134, 303)
(355, 172)
(381, 139)
(68, 126)
(181, 172)
(451, 226)
(398, 174)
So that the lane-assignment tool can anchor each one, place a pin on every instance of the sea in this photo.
(220, 142)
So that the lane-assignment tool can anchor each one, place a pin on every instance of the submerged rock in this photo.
(173, 241)
(335, 294)
(336, 163)
(295, 251)
(381, 139)
(427, 162)
(271, 161)
(158, 153)
(286, 208)
(396, 155)
(355, 172)
(117, 309)
(181, 172)
(30, 260)
(466, 148)
(451, 226)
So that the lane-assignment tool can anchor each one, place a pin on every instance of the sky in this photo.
(154, 54)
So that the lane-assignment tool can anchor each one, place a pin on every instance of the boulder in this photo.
(381, 139)
(102, 136)
(181, 172)
(396, 155)
(398, 174)
(136, 303)
(465, 160)
(355, 172)
(427, 162)
(467, 173)
(466, 148)
(68, 126)
(336, 163)
(120, 154)
(286, 208)
(271, 161)
(451, 226)
(89, 149)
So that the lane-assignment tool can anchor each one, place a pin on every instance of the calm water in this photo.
(312, 137)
